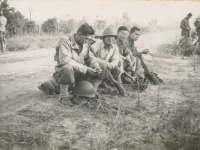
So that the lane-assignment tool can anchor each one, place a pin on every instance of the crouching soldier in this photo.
(70, 56)
(106, 53)
(188, 44)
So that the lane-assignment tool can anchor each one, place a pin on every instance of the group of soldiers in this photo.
(189, 40)
(85, 62)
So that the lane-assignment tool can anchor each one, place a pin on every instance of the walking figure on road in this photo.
(3, 22)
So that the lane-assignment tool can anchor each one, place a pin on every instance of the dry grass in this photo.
(167, 118)
(24, 42)
(169, 50)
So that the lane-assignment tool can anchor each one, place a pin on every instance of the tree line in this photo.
(17, 24)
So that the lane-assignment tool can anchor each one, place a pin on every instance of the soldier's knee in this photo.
(66, 75)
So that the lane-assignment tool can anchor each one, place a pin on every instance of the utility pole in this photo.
(30, 9)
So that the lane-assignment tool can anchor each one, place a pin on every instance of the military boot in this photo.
(96, 83)
(64, 96)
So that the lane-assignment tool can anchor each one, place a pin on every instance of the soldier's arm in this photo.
(182, 25)
(65, 57)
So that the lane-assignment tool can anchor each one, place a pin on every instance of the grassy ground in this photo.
(165, 116)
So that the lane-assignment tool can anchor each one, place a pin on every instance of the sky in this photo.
(140, 12)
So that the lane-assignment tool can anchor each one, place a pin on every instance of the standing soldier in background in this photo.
(3, 22)
(185, 26)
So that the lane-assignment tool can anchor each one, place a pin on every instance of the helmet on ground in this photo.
(109, 31)
(84, 88)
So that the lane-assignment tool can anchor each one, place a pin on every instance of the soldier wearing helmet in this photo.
(107, 52)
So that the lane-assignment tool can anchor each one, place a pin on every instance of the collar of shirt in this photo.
(119, 42)
(130, 41)
(74, 44)
(104, 47)
(108, 48)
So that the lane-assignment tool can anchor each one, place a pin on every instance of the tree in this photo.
(67, 26)
(100, 24)
(29, 26)
(125, 19)
(153, 24)
(50, 26)
(16, 22)
(82, 21)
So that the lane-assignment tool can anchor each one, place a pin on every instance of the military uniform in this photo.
(134, 51)
(108, 57)
(71, 66)
(70, 61)
(187, 46)
(185, 26)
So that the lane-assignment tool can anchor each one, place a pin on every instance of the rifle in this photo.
(110, 77)
(151, 76)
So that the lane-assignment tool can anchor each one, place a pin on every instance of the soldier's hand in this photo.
(109, 65)
(139, 54)
(145, 51)
(92, 72)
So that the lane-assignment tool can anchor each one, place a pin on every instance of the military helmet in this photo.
(84, 88)
(109, 31)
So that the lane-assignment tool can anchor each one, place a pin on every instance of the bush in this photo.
(171, 49)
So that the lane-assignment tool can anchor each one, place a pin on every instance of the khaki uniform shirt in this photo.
(71, 53)
(109, 54)
(185, 26)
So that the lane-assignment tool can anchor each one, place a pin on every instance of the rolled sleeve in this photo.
(65, 57)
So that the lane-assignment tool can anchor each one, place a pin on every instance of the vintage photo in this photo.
(99, 75)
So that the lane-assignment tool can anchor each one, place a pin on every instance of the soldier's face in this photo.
(109, 40)
(135, 35)
(122, 35)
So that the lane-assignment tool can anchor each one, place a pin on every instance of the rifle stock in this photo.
(150, 75)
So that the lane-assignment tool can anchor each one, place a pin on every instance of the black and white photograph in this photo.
(99, 75)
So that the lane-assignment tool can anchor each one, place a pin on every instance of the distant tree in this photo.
(153, 24)
(125, 20)
(100, 24)
(67, 26)
(82, 21)
(50, 26)
(16, 22)
(30, 26)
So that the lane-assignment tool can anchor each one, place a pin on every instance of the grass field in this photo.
(164, 116)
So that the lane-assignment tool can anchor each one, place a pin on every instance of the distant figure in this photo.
(3, 22)
(185, 26)
(188, 44)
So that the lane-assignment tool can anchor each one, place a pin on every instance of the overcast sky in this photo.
(140, 12)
